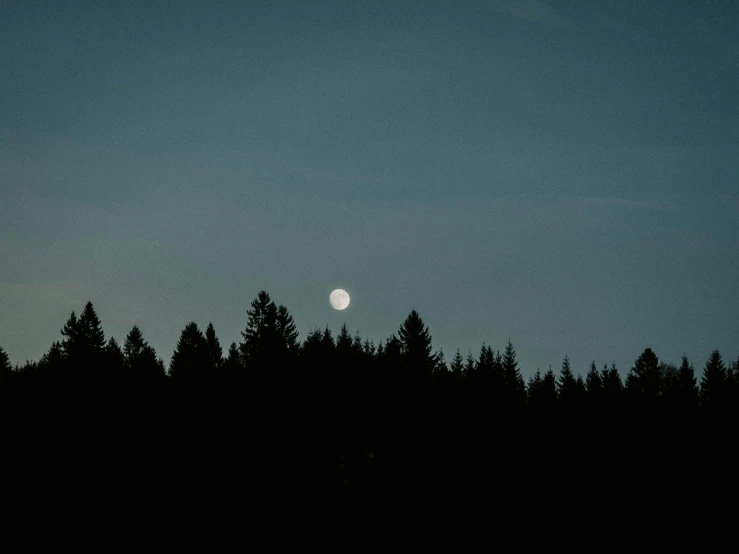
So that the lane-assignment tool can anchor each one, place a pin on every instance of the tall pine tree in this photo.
(456, 368)
(215, 352)
(594, 383)
(512, 378)
(5, 366)
(713, 393)
(261, 341)
(140, 359)
(612, 385)
(416, 352)
(567, 389)
(191, 359)
(644, 381)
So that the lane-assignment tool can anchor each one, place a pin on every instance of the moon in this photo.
(339, 299)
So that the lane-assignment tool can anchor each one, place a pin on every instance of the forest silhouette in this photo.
(337, 441)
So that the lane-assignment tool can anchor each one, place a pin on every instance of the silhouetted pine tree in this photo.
(686, 390)
(114, 360)
(612, 385)
(344, 344)
(215, 352)
(92, 331)
(440, 371)
(232, 364)
(357, 345)
(368, 348)
(191, 358)
(485, 374)
(5, 366)
(713, 393)
(549, 389)
(456, 368)
(140, 359)
(344, 358)
(84, 343)
(594, 384)
(72, 342)
(512, 378)
(53, 363)
(668, 377)
(582, 388)
(415, 340)
(733, 383)
(533, 389)
(643, 383)
(310, 349)
(288, 333)
(261, 338)
(328, 344)
(390, 360)
(567, 389)
(470, 366)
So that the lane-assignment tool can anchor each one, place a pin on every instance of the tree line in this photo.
(270, 354)
(366, 446)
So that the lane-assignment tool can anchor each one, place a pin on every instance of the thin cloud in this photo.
(661, 205)
(533, 11)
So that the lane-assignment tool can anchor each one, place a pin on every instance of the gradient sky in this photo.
(565, 174)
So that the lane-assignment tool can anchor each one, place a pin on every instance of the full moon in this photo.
(339, 299)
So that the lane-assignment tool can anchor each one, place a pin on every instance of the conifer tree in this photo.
(686, 384)
(114, 359)
(310, 349)
(549, 388)
(581, 387)
(133, 346)
(261, 337)
(368, 348)
(714, 382)
(733, 382)
(343, 372)
(644, 380)
(5, 366)
(456, 367)
(485, 373)
(215, 352)
(512, 378)
(567, 389)
(391, 361)
(72, 342)
(416, 350)
(140, 359)
(594, 382)
(191, 358)
(92, 331)
(357, 344)
(612, 385)
(232, 363)
(440, 370)
(287, 332)
(470, 366)
(84, 342)
(54, 362)
(344, 343)
(327, 342)
(533, 389)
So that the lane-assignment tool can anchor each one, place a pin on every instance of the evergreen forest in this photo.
(334, 441)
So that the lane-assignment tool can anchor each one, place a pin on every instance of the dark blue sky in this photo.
(562, 174)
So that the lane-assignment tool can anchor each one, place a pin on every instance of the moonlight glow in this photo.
(339, 299)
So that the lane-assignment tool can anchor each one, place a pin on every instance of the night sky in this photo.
(565, 174)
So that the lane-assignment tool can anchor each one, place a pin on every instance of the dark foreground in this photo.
(220, 471)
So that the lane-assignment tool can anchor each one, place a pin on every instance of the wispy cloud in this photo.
(660, 205)
(533, 11)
